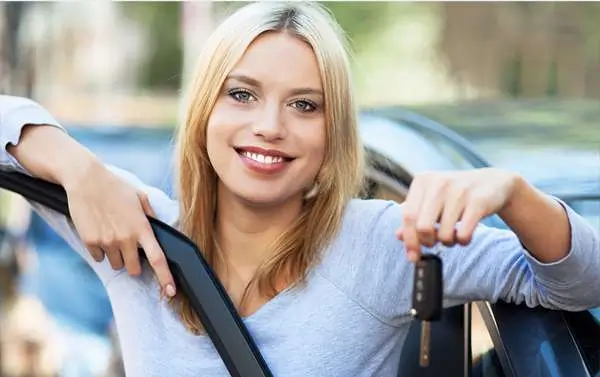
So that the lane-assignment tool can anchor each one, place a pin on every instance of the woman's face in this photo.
(266, 134)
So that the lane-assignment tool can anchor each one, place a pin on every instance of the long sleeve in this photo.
(370, 264)
(496, 266)
(15, 113)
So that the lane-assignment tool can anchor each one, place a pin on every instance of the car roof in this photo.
(515, 135)
(401, 144)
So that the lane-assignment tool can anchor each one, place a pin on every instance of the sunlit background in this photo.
(79, 57)
(515, 78)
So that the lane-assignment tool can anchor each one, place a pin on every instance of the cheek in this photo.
(218, 133)
(314, 140)
(318, 139)
(222, 125)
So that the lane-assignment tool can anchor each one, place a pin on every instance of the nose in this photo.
(270, 125)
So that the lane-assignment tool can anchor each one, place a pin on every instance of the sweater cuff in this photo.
(12, 123)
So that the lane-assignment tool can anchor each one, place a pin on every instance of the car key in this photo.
(427, 299)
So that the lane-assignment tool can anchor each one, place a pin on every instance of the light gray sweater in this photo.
(352, 317)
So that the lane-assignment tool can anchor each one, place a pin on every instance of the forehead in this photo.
(280, 59)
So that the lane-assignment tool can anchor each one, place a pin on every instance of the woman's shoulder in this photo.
(367, 227)
(361, 215)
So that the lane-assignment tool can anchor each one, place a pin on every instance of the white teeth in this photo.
(262, 158)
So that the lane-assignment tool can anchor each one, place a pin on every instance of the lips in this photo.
(265, 161)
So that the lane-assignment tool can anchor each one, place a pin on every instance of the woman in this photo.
(268, 164)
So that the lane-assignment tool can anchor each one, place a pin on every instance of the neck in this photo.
(245, 231)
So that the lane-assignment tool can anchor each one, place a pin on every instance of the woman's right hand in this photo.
(110, 217)
(108, 213)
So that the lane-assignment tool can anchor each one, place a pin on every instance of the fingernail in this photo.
(170, 290)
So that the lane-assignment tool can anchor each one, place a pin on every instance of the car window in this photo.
(440, 138)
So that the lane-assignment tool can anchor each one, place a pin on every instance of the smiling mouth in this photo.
(267, 159)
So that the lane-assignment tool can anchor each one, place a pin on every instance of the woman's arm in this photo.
(369, 264)
(540, 222)
(550, 259)
(108, 212)
(50, 153)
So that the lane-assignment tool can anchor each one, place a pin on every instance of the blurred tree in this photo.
(13, 63)
(361, 20)
(524, 49)
(162, 69)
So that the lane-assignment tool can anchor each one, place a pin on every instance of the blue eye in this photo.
(304, 105)
(241, 95)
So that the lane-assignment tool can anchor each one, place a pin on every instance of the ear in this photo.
(312, 192)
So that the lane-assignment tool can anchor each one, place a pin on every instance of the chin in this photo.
(262, 198)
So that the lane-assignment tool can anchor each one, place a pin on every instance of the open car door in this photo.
(192, 273)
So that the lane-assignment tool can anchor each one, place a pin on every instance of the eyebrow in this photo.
(255, 83)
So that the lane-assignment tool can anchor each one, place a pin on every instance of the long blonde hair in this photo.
(340, 177)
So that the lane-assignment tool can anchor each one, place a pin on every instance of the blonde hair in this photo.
(340, 177)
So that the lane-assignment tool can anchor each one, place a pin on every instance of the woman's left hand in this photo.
(447, 206)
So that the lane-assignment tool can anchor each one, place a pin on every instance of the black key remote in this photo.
(427, 299)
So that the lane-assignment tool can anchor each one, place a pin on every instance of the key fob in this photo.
(428, 288)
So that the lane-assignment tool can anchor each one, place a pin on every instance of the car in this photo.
(401, 144)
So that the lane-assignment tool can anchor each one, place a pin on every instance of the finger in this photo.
(408, 231)
(158, 262)
(453, 210)
(146, 205)
(114, 257)
(470, 218)
(96, 252)
(429, 215)
(131, 258)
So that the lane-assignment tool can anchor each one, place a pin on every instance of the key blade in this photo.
(425, 342)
